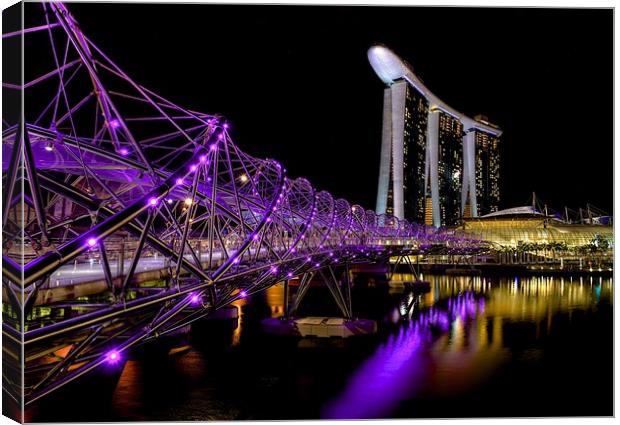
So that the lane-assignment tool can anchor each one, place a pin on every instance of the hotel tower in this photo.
(437, 164)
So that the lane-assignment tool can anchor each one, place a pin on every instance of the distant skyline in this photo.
(295, 83)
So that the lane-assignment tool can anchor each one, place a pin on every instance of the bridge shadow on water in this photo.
(471, 346)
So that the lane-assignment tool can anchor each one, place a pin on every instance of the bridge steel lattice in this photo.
(98, 169)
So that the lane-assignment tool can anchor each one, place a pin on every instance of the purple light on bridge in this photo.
(115, 123)
(225, 125)
(203, 158)
(273, 269)
(243, 294)
(91, 242)
(179, 181)
(195, 299)
(193, 168)
(113, 357)
(123, 151)
(153, 201)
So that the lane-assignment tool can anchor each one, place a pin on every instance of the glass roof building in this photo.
(524, 225)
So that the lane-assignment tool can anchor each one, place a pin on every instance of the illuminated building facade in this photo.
(411, 135)
(487, 173)
(437, 164)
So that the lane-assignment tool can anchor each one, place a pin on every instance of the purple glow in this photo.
(195, 299)
(289, 274)
(180, 181)
(193, 167)
(203, 158)
(225, 125)
(153, 201)
(242, 294)
(115, 123)
(113, 357)
(256, 237)
(399, 367)
(91, 242)
(273, 269)
(123, 151)
(49, 147)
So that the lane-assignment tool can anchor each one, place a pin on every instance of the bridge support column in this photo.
(334, 287)
(347, 282)
(120, 266)
(285, 304)
(304, 283)
(402, 259)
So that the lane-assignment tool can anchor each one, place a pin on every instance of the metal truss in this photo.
(127, 217)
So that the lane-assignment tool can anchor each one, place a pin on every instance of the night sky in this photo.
(296, 85)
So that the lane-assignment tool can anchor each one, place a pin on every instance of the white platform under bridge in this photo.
(338, 281)
(320, 327)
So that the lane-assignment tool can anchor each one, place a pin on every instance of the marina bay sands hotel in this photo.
(437, 164)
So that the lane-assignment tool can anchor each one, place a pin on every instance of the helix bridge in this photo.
(127, 217)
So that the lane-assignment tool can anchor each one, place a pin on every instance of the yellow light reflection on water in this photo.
(472, 350)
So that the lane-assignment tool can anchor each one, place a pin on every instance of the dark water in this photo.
(472, 346)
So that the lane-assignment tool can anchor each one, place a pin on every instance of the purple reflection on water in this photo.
(399, 367)
(377, 385)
